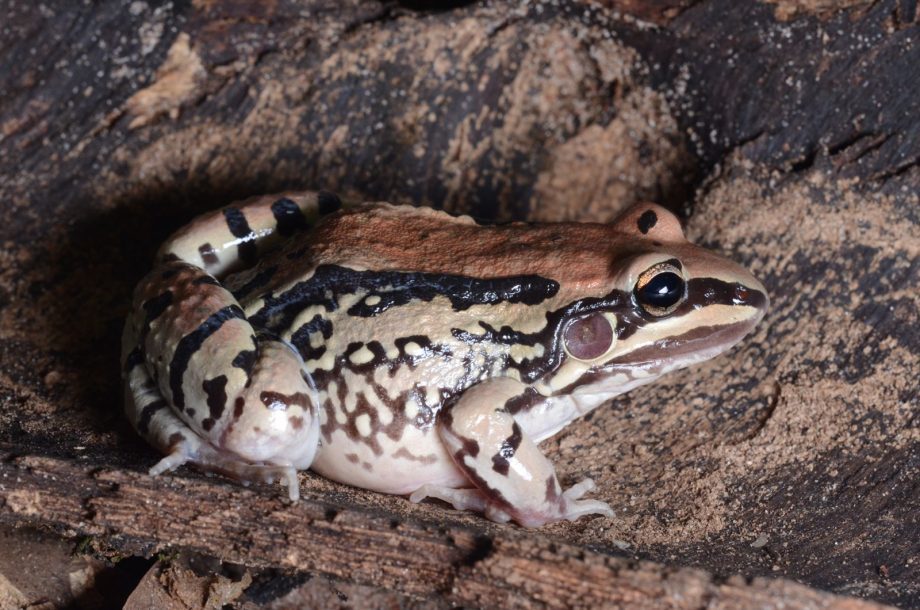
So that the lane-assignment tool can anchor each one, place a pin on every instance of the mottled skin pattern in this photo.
(411, 352)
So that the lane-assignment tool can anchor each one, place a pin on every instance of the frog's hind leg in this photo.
(204, 387)
(233, 237)
(511, 476)
(150, 415)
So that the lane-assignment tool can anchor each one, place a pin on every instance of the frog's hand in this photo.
(203, 387)
(233, 237)
(512, 477)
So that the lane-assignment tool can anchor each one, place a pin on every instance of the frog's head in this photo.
(668, 304)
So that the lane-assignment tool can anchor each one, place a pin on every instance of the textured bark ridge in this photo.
(787, 132)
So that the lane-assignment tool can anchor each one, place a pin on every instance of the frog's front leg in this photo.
(512, 478)
(204, 387)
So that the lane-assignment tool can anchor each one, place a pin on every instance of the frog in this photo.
(409, 351)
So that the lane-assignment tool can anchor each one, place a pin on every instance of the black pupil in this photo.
(662, 291)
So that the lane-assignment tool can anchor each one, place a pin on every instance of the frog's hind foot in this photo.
(209, 459)
(575, 507)
(461, 499)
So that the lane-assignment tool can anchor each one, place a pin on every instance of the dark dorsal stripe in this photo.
(239, 227)
(289, 217)
(191, 343)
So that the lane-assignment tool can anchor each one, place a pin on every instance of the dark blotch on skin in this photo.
(524, 401)
(143, 422)
(648, 220)
(328, 202)
(154, 308)
(208, 254)
(238, 407)
(509, 446)
(246, 360)
(470, 447)
(239, 227)
(205, 280)
(289, 217)
(135, 358)
(277, 401)
(216, 391)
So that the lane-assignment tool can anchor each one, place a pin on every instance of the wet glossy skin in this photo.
(410, 352)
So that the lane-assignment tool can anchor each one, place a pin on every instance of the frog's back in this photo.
(387, 237)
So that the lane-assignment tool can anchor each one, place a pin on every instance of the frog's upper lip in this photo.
(700, 344)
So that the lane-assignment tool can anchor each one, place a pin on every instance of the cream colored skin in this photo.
(410, 352)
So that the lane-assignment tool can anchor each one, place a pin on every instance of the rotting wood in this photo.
(508, 570)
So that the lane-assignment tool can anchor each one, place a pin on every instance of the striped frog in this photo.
(411, 352)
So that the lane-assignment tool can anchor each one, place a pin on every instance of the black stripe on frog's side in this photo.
(395, 288)
(257, 281)
(288, 217)
(153, 309)
(191, 343)
(239, 227)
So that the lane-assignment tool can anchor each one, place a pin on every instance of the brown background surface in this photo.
(787, 133)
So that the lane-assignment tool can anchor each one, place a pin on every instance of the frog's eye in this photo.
(660, 289)
(589, 337)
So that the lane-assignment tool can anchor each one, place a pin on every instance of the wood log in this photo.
(786, 132)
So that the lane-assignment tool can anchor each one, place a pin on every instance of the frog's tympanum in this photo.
(408, 351)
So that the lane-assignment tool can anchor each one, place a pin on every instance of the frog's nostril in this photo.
(750, 297)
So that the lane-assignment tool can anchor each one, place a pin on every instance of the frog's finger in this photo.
(504, 463)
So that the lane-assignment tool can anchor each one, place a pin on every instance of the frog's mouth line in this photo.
(696, 345)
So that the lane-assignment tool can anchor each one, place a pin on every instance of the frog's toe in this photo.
(460, 499)
(181, 452)
(575, 507)
(574, 510)
(579, 489)
(170, 462)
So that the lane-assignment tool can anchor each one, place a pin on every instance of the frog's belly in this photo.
(400, 467)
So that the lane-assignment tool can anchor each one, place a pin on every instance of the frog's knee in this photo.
(274, 419)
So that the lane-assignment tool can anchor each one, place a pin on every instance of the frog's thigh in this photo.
(507, 468)
(236, 400)
(150, 415)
